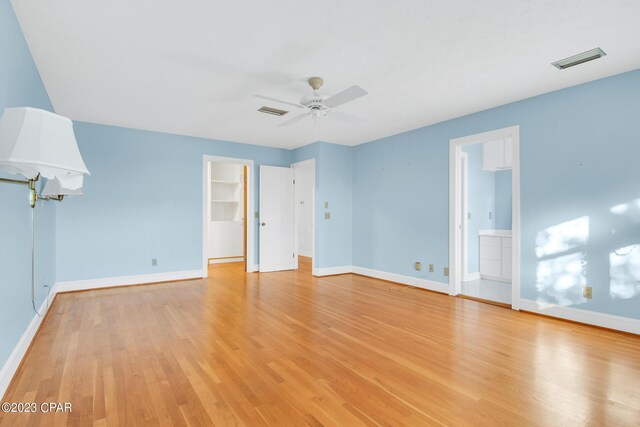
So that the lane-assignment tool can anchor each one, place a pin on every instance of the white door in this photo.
(277, 219)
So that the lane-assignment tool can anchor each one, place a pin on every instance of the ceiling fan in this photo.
(317, 106)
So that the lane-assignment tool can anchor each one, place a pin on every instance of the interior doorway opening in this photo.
(484, 235)
(227, 208)
(305, 178)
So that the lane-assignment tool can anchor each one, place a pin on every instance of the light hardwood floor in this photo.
(288, 349)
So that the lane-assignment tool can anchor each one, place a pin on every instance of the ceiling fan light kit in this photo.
(317, 106)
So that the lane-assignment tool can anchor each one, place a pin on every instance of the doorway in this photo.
(484, 206)
(227, 208)
(305, 177)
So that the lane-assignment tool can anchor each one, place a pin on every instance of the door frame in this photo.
(249, 223)
(308, 164)
(455, 190)
(464, 171)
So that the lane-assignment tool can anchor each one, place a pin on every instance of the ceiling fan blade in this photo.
(344, 117)
(345, 96)
(295, 119)
(279, 100)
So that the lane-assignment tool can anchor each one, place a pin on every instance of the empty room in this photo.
(338, 213)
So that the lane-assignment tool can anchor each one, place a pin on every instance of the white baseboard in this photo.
(13, 362)
(471, 277)
(254, 268)
(222, 261)
(138, 279)
(610, 321)
(405, 280)
(330, 271)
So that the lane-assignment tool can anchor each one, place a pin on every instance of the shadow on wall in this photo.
(564, 264)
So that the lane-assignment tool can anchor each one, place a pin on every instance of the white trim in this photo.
(455, 148)
(610, 321)
(13, 362)
(402, 279)
(464, 175)
(311, 163)
(222, 261)
(249, 221)
(330, 271)
(254, 268)
(471, 277)
(138, 279)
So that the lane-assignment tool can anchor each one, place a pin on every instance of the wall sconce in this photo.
(35, 143)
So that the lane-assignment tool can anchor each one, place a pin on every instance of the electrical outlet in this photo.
(418, 265)
(327, 215)
(587, 292)
(490, 215)
(468, 215)
(326, 205)
(446, 271)
(154, 262)
(430, 268)
(256, 214)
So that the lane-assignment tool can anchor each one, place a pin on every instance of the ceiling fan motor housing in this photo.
(313, 101)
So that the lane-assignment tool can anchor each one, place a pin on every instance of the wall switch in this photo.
(327, 215)
(154, 262)
(418, 265)
(587, 292)
(446, 271)
(430, 268)
(326, 205)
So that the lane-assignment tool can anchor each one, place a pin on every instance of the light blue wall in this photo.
(143, 200)
(334, 185)
(481, 197)
(503, 209)
(20, 85)
(579, 158)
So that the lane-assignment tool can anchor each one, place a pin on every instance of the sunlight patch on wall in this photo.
(624, 270)
(562, 237)
(562, 260)
(631, 210)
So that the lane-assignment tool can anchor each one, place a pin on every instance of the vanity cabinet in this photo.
(495, 257)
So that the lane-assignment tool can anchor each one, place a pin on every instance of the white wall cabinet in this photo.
(497, 155)
(495, 256)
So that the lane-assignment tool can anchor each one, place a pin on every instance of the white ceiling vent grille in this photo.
(272, 111)
(578, 59)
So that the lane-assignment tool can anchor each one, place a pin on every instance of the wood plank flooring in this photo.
(285, 349)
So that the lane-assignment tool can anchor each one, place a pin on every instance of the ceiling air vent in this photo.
(578, 59)
(273, 111)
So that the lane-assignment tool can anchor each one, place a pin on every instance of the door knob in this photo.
(263, 224)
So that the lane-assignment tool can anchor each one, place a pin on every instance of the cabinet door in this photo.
(493, 155)
(506, 264)
(490, 256)
(508, 153)
(506, 258)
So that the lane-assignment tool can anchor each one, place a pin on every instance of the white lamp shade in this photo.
(54, 187)
(34, 141)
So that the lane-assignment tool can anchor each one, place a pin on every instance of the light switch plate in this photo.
(418, 265)
(430, 268)
(326, 205)
(446, 271)
(327, 215)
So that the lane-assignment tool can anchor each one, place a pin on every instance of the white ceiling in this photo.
(190, 67)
